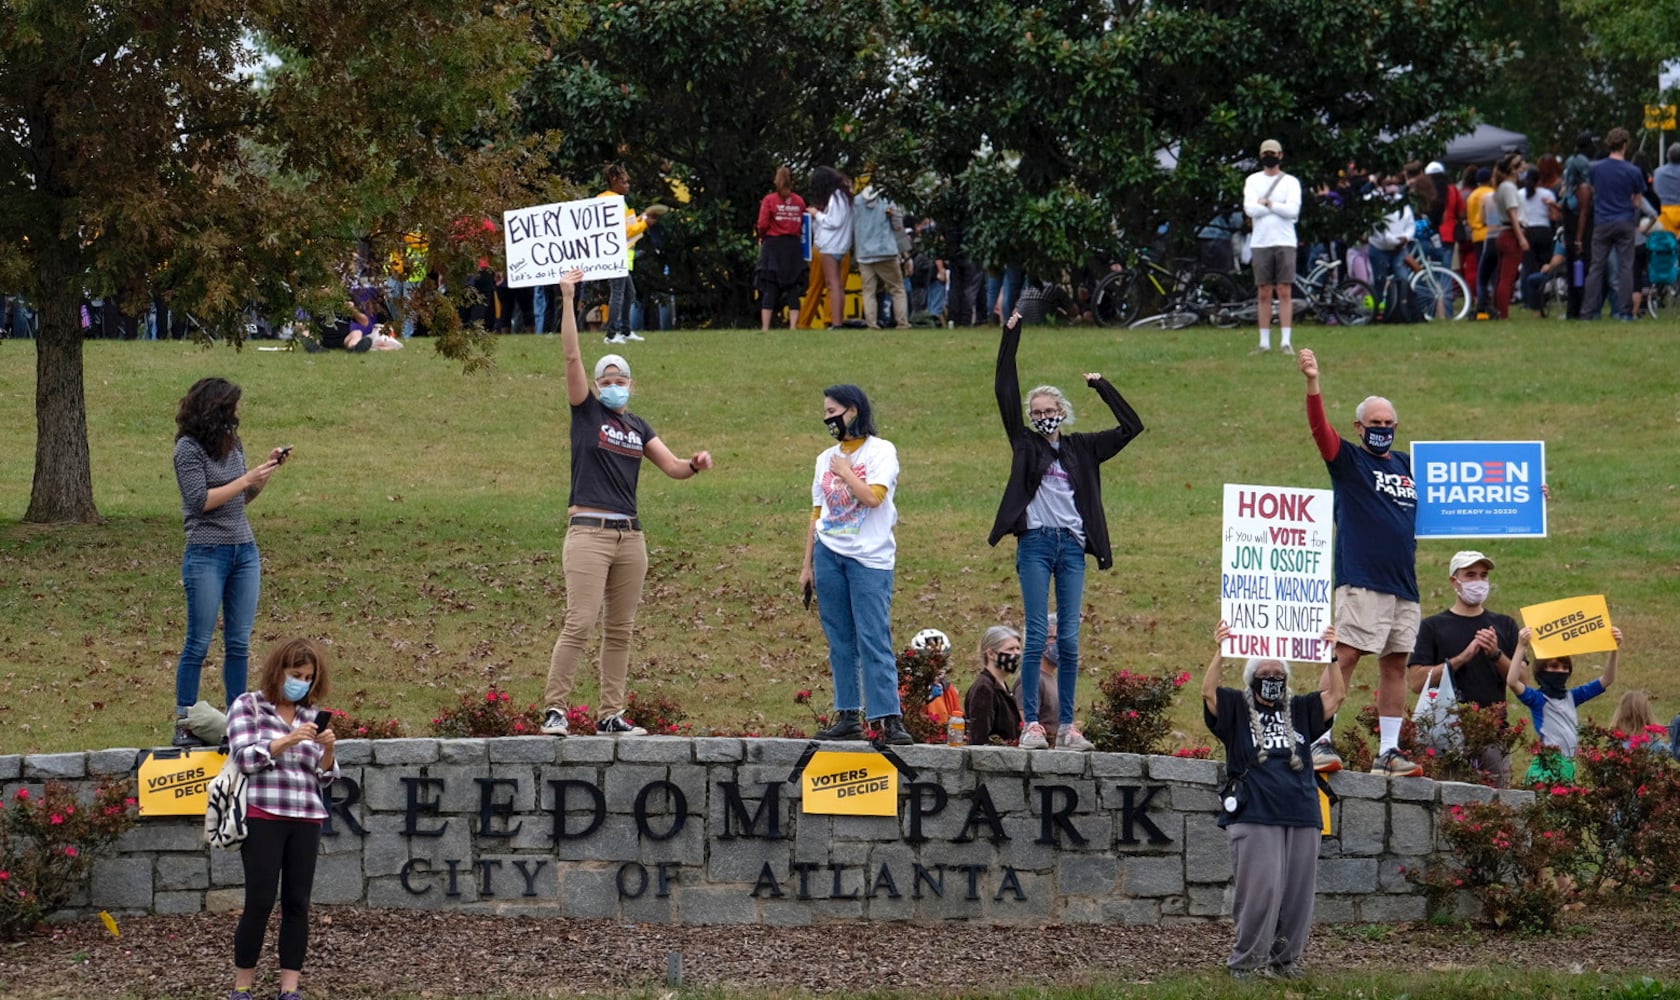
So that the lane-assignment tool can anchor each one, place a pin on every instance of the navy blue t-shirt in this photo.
(1276, 794)
(606, 457)
(1376, 521)
(1615, 182)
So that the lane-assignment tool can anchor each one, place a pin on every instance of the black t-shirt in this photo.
(1276, 794)
(606, 457)
(1480, 681)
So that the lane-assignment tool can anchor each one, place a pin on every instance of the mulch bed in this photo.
(361, 952)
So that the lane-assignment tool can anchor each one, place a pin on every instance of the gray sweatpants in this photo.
(1276, 873)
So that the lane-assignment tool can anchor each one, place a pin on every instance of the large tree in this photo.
(1061, 127)
(231, 157)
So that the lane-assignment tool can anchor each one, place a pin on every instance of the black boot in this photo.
(893, 732)
(184, 738)
(847, 725)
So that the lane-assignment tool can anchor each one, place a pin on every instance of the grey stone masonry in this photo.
(712, 831)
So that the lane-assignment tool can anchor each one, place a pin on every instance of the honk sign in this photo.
(850, 784)
(1570, 626)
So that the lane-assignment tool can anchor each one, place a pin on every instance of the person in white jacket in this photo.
(830, 209)
(1272, 202)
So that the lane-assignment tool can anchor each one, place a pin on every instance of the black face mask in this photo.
(1268, 689)
(836, 426)
(1009, 662)
(1554, 683)
(1270, 160)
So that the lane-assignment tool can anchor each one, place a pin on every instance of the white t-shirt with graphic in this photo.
(844, 525)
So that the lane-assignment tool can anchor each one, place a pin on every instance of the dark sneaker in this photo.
(554, 723)
(893, 732)
(1261, 973)
(1325, 758)
(290, 995)
(239, 995)
(184, 738)
(847, 725)
(1289, 970)
(1393, 764)
(618, 725)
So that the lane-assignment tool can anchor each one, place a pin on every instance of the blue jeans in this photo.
(1046, 556)
(225, 579)
(1386, 264)
(936, 298)
(539, 303)
(1009, 283)
(855, 603)
(622, 293)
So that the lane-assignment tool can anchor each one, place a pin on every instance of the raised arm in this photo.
(1332, 686)
(1009, 378)
(1609, 676)
(1513, 673)
(1216, 665)
(577, 380)
(1108, 443)
(1328, 441)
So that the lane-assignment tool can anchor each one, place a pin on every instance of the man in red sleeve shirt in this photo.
(1375, 561)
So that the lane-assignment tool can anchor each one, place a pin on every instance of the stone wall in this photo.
(708, 831)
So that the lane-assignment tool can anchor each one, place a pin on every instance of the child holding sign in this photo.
(1554, 705)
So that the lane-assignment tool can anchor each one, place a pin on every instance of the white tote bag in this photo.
(1434, 714)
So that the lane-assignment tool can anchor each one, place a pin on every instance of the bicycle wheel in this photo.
(1115, 300)
(1172, 319)
(1351, 303)
(1440, 293)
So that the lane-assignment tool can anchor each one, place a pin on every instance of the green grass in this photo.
(419, 523)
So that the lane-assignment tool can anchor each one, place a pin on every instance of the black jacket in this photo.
(1081, 455)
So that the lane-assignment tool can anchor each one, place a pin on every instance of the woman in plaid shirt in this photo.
(274, 737)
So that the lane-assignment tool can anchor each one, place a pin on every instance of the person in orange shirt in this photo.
(623, 290)
(1473, 210)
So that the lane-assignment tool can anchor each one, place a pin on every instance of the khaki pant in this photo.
(884, 272)
(601, 565)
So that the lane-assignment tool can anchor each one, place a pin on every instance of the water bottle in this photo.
(956, 730)
(1580, 276)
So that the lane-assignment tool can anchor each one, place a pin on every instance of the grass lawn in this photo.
(418, 525)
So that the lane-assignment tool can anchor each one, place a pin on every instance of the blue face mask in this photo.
(615, 397)
(295, 689)
(1379, 439)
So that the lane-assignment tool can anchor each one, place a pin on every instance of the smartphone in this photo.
(323, 720)
(284, 453)
(807, 594)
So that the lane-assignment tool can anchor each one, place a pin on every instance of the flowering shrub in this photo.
(47, 847)
(1513, 861)
(351, 726)
(490, 714)
(1131, 717)
(658, 714)
(1202, 752)
(1474, 731)
(1623, 808)
(920, 673)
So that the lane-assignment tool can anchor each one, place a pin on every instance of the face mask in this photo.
(295, 689)
(1555, 683)
(1392, 189)
(615, 397)
(1474, 592)
(1268, 689)
(1047, 425)
(1270, 160)
(836, 426)
(1379, 439)
(1009, 662)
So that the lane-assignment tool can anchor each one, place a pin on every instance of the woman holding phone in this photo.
(221, 570)
(281, 742)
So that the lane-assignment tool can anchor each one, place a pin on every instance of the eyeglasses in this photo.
(1044, 414)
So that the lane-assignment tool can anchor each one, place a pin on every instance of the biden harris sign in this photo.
(1480, 489)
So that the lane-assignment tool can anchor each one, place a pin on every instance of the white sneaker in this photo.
(1070, 738)
(554, 723)
(633, 335)
(616, 338)
(1033, 738)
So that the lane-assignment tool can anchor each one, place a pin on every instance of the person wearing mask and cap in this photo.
(990, 705)
(1555, 706)
(1474, 643)
(1270, 804)
(1272, 202)
(605, 554)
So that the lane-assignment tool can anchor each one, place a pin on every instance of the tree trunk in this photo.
(63, 489)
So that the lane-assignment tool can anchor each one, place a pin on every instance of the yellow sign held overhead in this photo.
(1570, 626)
(1660, 116)
(837, 783)
(177, 782)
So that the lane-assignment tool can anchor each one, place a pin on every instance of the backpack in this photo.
(1575, 173)
(224, 815)
(1663, 257)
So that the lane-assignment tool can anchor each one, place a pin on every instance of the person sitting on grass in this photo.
(1270, 806)
(1554, 705)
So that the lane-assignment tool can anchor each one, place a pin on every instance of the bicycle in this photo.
(1194, 296)
(1327, 297)
(1439, 291)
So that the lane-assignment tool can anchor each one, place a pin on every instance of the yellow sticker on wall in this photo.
(837, 783)
(177, 782)
(1571, 626)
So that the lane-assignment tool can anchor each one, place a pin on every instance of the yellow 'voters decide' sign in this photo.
(850, 784)
(1570, 626)
(177, 782)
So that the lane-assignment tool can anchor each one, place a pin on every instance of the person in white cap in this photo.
(1272, 202)
(1474, 643)
(605, 555)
